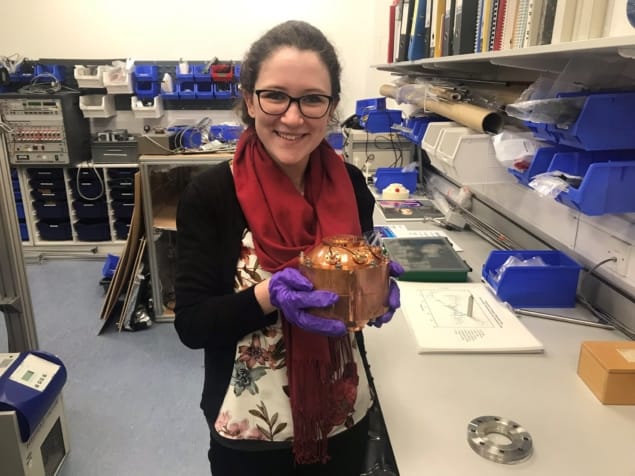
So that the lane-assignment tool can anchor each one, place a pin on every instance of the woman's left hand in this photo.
(394, 301)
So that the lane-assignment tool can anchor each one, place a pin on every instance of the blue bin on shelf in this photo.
(90, 210)
(147, 83)
(553, 285)
(608, 183)
(201, 74)
(335, 140)
(122, 228)
(45, 174)
(414, 128)
(55, 230)
(226, 132)
(204, 90)
(122, 173)
(92, 230)
(223, 90)
(186, 90)
(374, 117)
(606, 122)
(110, 265)
(19, 207)
(539, 164)
(51, 210)
(385, 176)
(24, 231)
(56, 70)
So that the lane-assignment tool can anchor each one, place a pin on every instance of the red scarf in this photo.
(321, 372)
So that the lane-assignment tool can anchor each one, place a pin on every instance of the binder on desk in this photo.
(465, 14)
(418, 44)
(406, 26)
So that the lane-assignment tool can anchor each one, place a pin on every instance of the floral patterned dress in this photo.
(256, 405)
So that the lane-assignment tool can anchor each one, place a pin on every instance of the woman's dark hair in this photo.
(293, 33)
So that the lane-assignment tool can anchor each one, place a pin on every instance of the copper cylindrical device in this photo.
(356, 271)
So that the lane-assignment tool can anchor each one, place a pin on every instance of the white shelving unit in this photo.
(522, 64)
(510, 206)
(62, 235)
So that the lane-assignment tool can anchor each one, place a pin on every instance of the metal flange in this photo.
(520, 443)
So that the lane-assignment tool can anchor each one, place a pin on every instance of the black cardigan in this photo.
(209, 314)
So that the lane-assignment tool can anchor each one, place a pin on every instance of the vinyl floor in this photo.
(131, 398)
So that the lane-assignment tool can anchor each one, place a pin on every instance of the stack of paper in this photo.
(463, 317)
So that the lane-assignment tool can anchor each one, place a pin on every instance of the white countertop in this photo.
(428, 399)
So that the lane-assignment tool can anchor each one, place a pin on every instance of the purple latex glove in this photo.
(394, 301)
(292, 293)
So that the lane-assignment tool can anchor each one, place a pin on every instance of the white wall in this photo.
(196, 29)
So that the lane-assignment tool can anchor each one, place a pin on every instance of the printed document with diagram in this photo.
(463, 317)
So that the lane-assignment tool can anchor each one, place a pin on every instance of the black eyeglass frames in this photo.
(276, 103)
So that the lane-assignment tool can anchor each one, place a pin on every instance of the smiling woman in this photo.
(286, 391)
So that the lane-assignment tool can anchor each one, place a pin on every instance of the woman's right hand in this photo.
(293, 293)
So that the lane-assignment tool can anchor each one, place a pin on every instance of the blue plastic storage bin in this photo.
(553, 285)
(122, 173)
(122, 209)
(608, 184)
(374, 117)
(200, 73)
(226, 132)
(46, 70)
(540, 163)
(92, 231)
(336, 140)
(47, 185)
(147, 83)
(45, 174)
(223, 90)
(110, 265)
(51, 210)
(606, 122)
(364, 105)
(204, 90)
(19, 207)
(122, 228)
(122, 195)
(385, 176)
(414, 128)
(87, 189)
(24, 231)
(186, 89)
(55, 231)
(90, 210)
(48, 195)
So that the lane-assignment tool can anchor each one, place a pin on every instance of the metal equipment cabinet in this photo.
(163, 178)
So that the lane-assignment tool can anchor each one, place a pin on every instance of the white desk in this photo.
(429, 399)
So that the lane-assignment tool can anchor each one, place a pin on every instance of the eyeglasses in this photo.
(276, 103)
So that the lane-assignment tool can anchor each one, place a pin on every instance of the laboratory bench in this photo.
(428, 400)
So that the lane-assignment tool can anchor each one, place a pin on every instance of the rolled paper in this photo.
(475, 117)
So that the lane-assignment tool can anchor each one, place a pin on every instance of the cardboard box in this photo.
(608, 369)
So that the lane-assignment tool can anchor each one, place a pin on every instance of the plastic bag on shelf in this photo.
(515, 148)
(551, 184)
